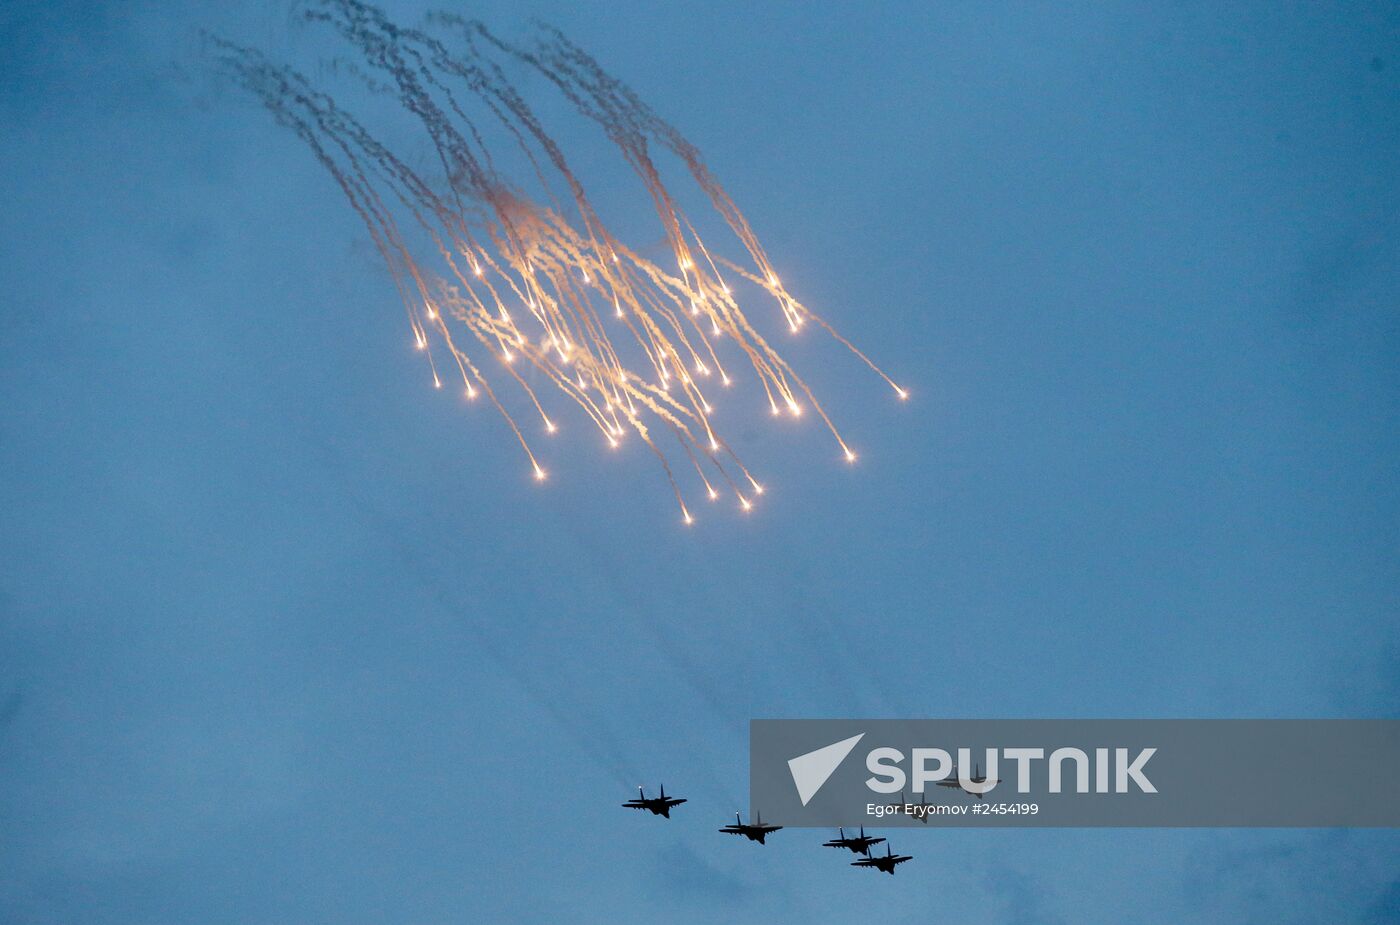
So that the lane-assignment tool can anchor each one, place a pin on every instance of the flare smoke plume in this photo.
(493, 280)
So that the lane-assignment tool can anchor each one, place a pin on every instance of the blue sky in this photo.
(285, 635)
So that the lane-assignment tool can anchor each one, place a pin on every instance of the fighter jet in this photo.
(659, 806)
(920, 809)
(859, 845)
(977, 777)
(887, 862)
(754, 831)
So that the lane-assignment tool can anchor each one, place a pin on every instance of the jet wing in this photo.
(863, 862)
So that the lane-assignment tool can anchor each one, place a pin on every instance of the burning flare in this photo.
(517, 280)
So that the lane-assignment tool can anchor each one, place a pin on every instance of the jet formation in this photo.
(758, 831)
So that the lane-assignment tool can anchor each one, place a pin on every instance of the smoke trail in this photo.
(517, 284)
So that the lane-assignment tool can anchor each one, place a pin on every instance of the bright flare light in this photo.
(496, 239)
